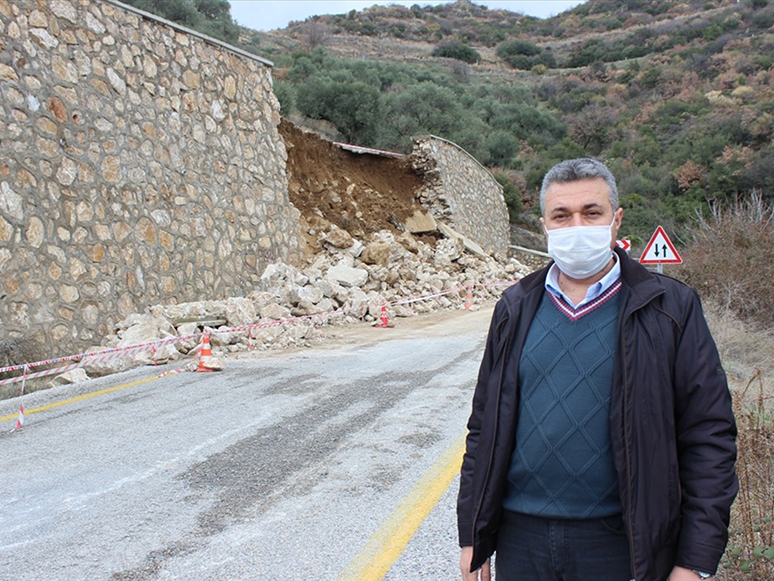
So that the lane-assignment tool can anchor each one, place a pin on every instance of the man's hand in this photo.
(467, 575)
(682, 574)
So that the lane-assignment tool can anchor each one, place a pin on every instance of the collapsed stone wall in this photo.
(346, 281)
(141, 164)
(461, 192)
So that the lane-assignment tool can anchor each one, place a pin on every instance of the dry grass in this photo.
(747, 352)
(731, 263)
(750, 552)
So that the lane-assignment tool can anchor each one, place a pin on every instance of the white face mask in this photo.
(580, 251)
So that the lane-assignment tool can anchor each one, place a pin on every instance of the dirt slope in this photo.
(360, 193)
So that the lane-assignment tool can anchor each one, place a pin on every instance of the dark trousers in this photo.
(542, 549)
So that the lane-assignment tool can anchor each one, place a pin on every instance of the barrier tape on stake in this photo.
(113, 353)
(20, 421)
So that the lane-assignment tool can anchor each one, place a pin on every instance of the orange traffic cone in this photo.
(383, 322)
(20, 421)
(205, 353)
(468, 298)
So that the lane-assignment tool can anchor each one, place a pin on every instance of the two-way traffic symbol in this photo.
(660, 250)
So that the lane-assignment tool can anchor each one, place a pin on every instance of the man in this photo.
(601, 444)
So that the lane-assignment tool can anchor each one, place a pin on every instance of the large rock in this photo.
(466, 242)
(203, 312)
(447, 251)
(308, 293)
(357, 303)
(146, 328)
(264, 336)
(72, 376)
(347, 276)
(188, 333)
(221, 337)
(338, 238)
(326, 306)
(420, 222)
(143, 329)
(377, 252)
(240, 311)
(278, 275)
(275, 311)
(261, 298)
(149, 329)
(301, 330)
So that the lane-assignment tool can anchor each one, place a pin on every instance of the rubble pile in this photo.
(347, 281)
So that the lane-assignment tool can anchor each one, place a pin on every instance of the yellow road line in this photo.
(78, 398)
(389, 541)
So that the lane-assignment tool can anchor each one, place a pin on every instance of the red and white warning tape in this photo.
(111, 354)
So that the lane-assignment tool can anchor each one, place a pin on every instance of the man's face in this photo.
(583, 202)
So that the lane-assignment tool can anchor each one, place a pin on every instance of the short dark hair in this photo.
(572, 170)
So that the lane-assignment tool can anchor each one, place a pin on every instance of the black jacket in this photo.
(671, 425)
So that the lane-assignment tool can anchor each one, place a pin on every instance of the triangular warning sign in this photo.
(660, 250)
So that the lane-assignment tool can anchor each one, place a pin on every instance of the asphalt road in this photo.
(305, 465)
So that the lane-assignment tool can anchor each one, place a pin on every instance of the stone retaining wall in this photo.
(461, 192)
(141, 164)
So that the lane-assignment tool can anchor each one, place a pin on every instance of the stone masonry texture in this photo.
(140, 164)
(458, 190)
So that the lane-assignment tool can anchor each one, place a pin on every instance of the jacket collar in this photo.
(643, 285)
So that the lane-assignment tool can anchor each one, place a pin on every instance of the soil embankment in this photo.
(361, 193)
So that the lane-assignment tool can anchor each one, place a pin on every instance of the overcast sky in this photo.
(273, 14)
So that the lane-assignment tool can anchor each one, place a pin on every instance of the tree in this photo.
(501, 148)
(591, 127)
(527, 122)
(316, 33)
(352, 106)
(425, 108)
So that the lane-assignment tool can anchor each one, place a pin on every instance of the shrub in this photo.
(454, 49)
(651, 77)
(517, 47)
(593, 51)
(731, 257)
(286, 96)
(523, 55)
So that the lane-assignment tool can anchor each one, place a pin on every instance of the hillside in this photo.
(676, 96)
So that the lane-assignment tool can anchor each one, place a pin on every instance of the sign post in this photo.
(660, 250)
